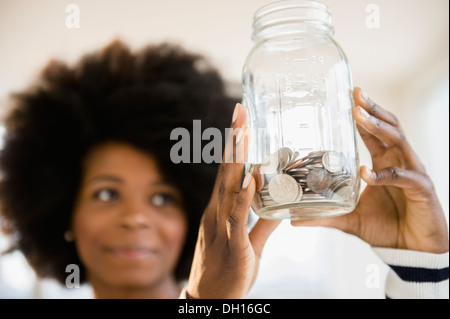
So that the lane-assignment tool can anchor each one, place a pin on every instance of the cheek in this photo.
(88, 229)
(174, 233)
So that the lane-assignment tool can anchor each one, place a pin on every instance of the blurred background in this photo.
(398, 51)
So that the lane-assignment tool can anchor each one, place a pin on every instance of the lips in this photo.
(132, 252)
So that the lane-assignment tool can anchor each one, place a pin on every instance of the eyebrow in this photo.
(116, 179)
(109, 178)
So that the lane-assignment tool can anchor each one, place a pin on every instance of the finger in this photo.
(361, 99)
(345, 223)
(417, 186)
(390, 135)
(375, 146)
(236, 223)
(384, 131)
(260, 233)
(239, 118)
(228, 181)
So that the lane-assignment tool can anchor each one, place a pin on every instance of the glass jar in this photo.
(297, 89)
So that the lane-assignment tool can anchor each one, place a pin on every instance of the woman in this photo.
(86, 174)
(100, 176)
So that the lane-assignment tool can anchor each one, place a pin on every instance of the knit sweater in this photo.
(415, 275)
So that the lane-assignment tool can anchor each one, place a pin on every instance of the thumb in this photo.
(339, 222)
(260, 233)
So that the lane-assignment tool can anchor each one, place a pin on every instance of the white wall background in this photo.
(403, 65)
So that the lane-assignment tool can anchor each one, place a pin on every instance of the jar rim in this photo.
(292, 12)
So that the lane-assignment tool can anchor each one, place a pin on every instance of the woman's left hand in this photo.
(399, 207)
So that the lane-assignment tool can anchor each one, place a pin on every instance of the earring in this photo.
(68, 236)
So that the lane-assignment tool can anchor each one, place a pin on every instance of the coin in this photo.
(297, 163)
(295, 156)
(318, 180)
(275, 161)
(316, 165)
(316, 154)
(344, 193)
(283, 189)
(338, 183)
(333, 161)
(300, 193)
(298, 171)
(292, 159)
(319, 176)
(284, 156)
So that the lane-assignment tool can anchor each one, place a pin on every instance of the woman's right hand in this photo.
(227, 256)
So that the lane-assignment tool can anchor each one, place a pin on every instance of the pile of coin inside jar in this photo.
(319, 176)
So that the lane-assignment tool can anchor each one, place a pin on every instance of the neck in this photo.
(165, 289)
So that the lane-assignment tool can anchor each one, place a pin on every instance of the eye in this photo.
(106, 195)
(162, 199)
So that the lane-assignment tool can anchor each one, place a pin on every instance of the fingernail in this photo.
(364, 95)
(236, 112)
(364, 113)
(247, 180)
(368, 172)
(240, 134)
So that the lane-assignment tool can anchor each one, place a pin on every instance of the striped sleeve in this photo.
(414, 274)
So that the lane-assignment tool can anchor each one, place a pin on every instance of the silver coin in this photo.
(318, 180)
(333, 161)
(341, 173)
(276, 161)
(300, 193)
(316, 160)
(344, 193)
(298, 175)
(313, 166)
(283, 188)
(292, 159)
(299, 170)
(316, 154)
(295, 155)
(284, 156)
(297, 163)
(300, 178)
(339, 184)
(339, 180)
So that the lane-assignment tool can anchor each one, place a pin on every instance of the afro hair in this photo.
(111, 94)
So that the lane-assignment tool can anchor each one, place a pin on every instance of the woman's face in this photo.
(129, 224)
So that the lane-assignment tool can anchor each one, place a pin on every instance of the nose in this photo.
(135, 214)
